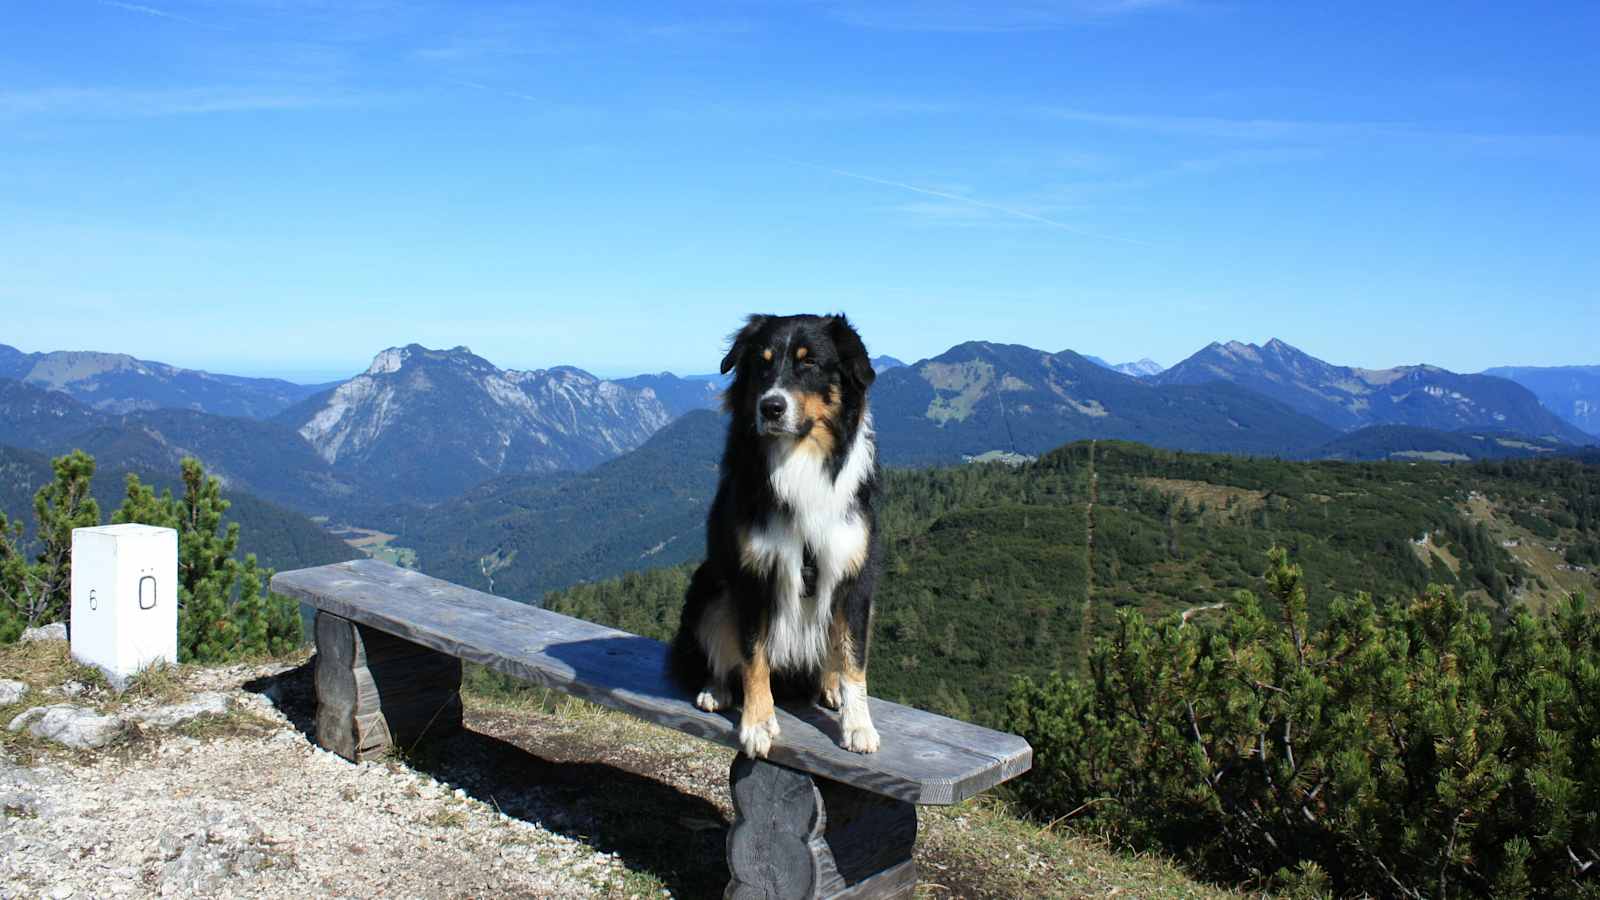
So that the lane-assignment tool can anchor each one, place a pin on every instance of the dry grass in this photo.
(1223, 503)
(160, 682)
(985, 848)
(46, 663)
(1534, 553)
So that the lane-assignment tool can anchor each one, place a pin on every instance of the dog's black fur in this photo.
(820, 364)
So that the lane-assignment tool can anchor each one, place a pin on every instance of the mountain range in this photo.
(1347, 398)
(119, 383)
(422, 426)
(1144, 368)
(428, 424)
(1571, 392)
(981, 396)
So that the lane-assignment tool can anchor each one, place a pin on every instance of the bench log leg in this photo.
(801, 835)
(376, 692)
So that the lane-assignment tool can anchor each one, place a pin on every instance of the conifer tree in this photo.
(1400, 749)
(38, 593)
(223, 612)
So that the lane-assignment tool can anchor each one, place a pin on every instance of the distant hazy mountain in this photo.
(36, 419)
(1349, 398)
(263, 458)
(1572, 392)
(118, 383)
(885, 363)
(1376, 442)
(980, 396)
(678, 395)
(1144, 368)
(428, 424)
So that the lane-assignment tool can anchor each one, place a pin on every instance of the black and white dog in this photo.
(785, 595)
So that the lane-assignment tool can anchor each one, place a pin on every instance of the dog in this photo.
(784, 598)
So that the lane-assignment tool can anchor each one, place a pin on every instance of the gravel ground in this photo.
(244, 805)
(532, 799)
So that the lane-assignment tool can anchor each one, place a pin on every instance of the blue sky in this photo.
(288, 186)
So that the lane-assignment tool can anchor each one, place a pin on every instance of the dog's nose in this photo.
(772, 408)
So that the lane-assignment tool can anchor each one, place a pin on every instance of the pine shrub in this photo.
(1399, 749)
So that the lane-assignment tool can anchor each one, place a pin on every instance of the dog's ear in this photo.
(740, 339)
(853, 356)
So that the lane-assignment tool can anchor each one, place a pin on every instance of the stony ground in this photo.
(243, 804)
(540, 797)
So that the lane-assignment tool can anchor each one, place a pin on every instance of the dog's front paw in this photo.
(756, 738)
(710, 699)
(832, 697)
(861, 738)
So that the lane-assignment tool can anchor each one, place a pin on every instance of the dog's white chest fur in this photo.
(824, 519)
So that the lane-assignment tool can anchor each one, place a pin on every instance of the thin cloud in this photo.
(149, 11)
(1304, 131)
(119, 103)
(969, 201)
(987, 15)
(480, 86)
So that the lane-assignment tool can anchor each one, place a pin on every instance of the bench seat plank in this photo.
(926, 758)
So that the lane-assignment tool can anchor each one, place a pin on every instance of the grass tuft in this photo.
(160, 682)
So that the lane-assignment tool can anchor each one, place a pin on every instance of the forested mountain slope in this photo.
(280, 538)
(992, 571)
(520, 536)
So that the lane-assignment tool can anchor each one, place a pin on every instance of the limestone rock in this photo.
(53, 632)
(11, 691)
(75, 726)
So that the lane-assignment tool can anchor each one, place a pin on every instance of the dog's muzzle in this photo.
(777, 413)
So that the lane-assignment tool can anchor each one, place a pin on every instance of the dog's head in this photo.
(797, 374)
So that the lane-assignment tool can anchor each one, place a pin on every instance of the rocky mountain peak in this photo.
(415, 404)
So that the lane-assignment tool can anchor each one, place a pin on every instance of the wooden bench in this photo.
(813, 820)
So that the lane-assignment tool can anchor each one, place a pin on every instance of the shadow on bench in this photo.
(814, 820)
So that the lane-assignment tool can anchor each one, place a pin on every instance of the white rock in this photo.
(53, 632)
(11, 691)
(74, 726)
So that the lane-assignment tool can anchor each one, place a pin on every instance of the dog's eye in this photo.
(808, 363)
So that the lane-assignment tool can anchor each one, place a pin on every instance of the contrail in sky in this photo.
(945, 195)
(148, 11)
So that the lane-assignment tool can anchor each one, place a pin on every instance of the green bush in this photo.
(1399, 749)
(223, 611)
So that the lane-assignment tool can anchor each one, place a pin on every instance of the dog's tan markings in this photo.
(767, 354)
(844, 687)
(801, 353)
(841, 659)
(822, 411)
(758, 722)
